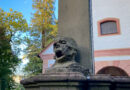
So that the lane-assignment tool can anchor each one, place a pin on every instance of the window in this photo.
(108, 26)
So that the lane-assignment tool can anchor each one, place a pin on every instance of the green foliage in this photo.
(14, 25)
(11, 24)
(44, 29)
(19, 87)
(44, 19)
(8, 61)
(13, 21)
(34, 65)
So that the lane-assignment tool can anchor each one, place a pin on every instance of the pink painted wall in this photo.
(123, 64)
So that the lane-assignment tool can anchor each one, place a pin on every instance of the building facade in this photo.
(47, 56)
(111, 38)
(111, 35)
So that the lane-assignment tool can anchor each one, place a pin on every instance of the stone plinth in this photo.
(108, 83)
(55, 81)
(75, 81)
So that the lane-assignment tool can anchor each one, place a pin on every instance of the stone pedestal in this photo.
(75, 81)
(56, 81)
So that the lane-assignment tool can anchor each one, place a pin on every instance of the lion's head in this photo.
(65, 49)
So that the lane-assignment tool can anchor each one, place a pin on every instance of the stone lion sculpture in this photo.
(66, 49)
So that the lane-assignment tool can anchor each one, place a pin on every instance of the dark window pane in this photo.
(108, 27)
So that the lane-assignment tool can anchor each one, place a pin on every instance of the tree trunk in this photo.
(43, 39)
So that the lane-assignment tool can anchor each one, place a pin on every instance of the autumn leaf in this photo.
(11, 9)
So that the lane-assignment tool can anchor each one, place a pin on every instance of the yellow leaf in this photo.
(8, 14)
(11, 9)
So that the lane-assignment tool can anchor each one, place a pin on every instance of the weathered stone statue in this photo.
(66, 50)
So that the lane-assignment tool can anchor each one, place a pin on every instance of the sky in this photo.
(23, 6)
